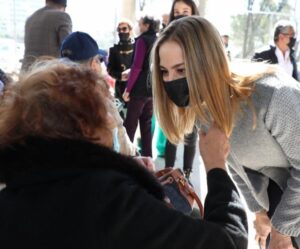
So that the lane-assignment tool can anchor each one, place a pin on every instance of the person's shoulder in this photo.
(122, 172)
(114, 48)
(265, 49)
(57, 14)
(36, 14)
(264, 52)
(140, 41)
(278, 80)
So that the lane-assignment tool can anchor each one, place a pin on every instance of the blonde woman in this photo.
(179, 9)
(259, 113)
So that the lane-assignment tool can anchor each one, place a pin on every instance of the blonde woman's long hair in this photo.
(215, 92)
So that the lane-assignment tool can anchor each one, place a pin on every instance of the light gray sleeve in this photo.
(252, 204)
(64, 27)
(283, 122)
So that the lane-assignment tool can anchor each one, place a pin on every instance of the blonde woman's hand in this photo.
(280, 241)
(262, 225)
(214, 148)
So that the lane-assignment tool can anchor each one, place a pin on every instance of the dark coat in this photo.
(142, 86)
(74, 194)
(270, 56)
(119, 60)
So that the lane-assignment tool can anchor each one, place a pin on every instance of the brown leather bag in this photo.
(180, 193)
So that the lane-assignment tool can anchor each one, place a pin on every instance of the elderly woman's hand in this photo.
(146, 162)
(214, 148)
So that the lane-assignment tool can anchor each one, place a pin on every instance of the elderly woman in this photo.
(67, 188)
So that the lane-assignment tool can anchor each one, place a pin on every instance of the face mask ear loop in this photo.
(198, 125)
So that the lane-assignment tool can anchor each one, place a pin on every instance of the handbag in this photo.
(179, 192)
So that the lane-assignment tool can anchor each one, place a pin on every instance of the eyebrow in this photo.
(184, 9)
(175, 66)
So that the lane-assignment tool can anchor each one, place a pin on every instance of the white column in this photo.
(202, 7)
(128, 9)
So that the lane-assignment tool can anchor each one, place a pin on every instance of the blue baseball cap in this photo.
(79, 46)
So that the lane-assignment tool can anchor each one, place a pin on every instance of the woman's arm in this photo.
(252, 203)
(283, 121)
(140, 220)
(145, 222)
(137, 65)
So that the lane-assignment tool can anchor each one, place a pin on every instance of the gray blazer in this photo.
(45, 30)
(271, 150)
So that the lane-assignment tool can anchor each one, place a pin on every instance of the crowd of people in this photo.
(72, 173)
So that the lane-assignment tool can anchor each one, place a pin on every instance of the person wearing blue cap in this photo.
(45, 30)
(80, 47)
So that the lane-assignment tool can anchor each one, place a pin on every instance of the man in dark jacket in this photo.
(120, 58)
(45, 30)
(282, 53)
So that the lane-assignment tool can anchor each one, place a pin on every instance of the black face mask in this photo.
(124, 37)
(292, 42)
(178, 91)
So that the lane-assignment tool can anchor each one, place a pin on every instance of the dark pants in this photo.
(140, 109)
(189, 151)
(274, 194)
(119, 90)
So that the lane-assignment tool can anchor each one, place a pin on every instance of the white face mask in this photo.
(116, 144)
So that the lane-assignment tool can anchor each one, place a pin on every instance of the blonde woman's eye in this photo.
(181, 71)
(163, 72)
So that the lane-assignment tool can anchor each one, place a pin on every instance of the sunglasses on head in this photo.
(123, 29)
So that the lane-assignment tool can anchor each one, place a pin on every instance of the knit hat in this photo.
(62, 2)
(79, 46)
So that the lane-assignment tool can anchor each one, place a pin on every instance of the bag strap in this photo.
(177, 174)
(185, 184)
(199, 203)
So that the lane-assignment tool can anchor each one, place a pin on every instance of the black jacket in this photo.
(142, 86)
(270, 56)
(120, 59)
(73, 194)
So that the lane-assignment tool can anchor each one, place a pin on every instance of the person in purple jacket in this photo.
(138, 91)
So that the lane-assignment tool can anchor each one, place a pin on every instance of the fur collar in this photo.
(38, 154)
